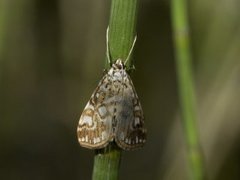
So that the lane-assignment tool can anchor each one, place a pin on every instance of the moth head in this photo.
(119, 64)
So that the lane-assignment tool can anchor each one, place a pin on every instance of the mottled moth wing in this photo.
(113, 113)
(95, 124)
(130, 131)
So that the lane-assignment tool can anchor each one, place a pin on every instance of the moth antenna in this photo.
(107, 45)
(130, 52)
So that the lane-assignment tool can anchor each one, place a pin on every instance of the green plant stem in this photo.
(121, 35)
(186, 88)
(122, 28)
(106, 163)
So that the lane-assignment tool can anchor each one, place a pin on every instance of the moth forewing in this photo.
(130, 130)
(95, 127)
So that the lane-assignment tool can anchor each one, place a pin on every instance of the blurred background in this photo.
(52, 57)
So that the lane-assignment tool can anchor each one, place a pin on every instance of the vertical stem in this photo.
(106, 163)
(121, 35)
(122, 28)
(186, 87)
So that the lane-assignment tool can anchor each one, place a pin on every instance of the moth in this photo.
(114, 112)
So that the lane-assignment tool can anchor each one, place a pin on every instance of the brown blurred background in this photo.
(52, 57)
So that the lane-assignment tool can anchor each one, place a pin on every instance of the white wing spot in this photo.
(97, 139)
(89, 106)
(87, 119)
(136, 139)
(117, 74)
(137, 121)
(102, 111)
(136, 108)
(104, 135)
